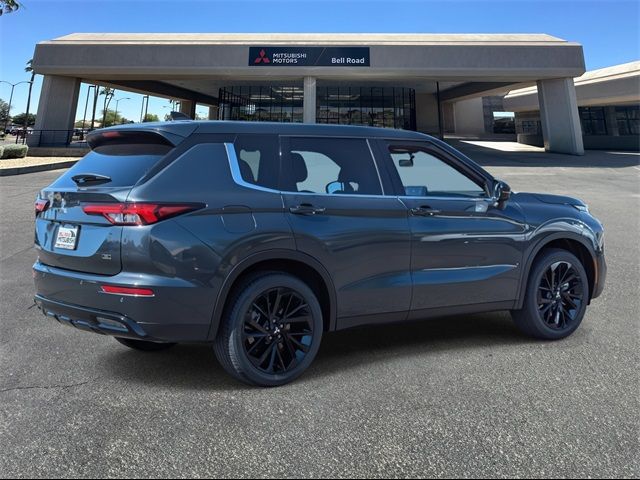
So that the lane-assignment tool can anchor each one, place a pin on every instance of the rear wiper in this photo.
(90, 178)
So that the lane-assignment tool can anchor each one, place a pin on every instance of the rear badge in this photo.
(106, 256)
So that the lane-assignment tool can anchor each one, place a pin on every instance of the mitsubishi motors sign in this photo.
(309, 56)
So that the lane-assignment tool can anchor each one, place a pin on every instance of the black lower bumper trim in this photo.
(91, 320)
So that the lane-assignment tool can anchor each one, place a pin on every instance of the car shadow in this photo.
(194, 367)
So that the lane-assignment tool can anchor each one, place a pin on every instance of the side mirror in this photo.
(501, 193)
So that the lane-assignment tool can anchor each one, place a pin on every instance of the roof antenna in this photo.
(173, 116)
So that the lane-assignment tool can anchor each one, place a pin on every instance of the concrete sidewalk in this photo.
(496, 153)
(18, 166)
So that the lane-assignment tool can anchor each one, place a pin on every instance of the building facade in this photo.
(608, 107)
(405, 81)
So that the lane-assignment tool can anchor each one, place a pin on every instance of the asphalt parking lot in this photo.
(457, 397)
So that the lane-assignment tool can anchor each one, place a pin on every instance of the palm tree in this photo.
(8, 6)
(29, 69)
(108, 95)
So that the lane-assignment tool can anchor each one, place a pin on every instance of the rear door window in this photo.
(330, 166)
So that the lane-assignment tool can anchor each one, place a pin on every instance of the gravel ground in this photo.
(466, 396)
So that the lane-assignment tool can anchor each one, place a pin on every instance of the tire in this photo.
(144, 346)
(261, 352)
(556, 296)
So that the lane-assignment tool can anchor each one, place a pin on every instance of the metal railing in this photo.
(53, 138)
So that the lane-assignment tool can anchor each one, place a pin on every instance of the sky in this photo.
(607, 29)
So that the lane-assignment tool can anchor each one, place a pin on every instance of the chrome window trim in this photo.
(237, 178)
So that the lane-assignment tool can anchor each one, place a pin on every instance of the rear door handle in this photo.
(307, 209)
(424, 211)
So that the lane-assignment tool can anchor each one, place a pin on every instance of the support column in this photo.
(559, 116)
(188, 108)
(309, 102)
(56, 111)
(213, 113)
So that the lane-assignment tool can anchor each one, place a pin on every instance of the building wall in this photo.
(469, 117)
(427, 113)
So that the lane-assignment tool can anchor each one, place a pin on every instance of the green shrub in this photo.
(1, 150)
(14, 151)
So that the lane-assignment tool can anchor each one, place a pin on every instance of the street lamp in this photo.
(144, 108)
(13, 85)
(115, 117)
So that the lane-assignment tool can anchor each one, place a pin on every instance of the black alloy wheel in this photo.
(271, 330)
(560, 295)
(556, 296)
(278, 330)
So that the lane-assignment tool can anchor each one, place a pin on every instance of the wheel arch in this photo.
(303, 266)
(578, 245)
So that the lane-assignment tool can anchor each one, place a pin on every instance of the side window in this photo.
(331, 166)
(258, 159)
(423, 174)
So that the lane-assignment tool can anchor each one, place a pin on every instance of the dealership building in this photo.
(418, 82)
(608, 107)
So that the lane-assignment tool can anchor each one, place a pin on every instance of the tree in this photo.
(8, 6)
(23, 118)
(4, 112)
(108, 93)
(29, 69)
(151, 117)
(111, 119)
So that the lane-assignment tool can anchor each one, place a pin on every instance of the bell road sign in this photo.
(309, 56)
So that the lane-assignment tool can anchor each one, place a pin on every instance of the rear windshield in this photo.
(125, 164)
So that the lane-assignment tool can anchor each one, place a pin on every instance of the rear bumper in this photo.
(179, 311)
(90, 320)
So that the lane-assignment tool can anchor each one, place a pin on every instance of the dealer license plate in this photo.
(67, 238)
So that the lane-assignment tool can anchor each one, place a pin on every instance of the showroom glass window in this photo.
(592, 120)
(628, 118)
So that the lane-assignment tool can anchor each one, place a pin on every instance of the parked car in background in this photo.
(259, 238)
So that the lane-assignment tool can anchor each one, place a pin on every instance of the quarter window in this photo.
(330, 166)
(423, 174)
(258, 159)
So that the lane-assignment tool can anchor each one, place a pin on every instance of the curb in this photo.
(5, 172)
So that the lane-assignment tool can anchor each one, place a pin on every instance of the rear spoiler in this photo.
(159, 133)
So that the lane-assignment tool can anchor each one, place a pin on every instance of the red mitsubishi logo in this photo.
(262, 58)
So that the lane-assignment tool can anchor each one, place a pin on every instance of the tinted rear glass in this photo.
(124, 164)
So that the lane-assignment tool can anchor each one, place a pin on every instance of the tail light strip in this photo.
(138, 213)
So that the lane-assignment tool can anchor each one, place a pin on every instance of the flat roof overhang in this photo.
(184, 61)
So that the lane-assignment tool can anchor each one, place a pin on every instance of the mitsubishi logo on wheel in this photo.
(262, 58)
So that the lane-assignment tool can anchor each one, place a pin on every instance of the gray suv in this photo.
(259, 238)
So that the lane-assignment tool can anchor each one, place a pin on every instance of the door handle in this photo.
(424, 211)
(306, 209)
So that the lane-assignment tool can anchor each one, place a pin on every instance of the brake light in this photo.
(41, 205)
(132, 291)
(137, 213)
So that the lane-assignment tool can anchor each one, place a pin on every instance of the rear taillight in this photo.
(41, 205)
(137, 213)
